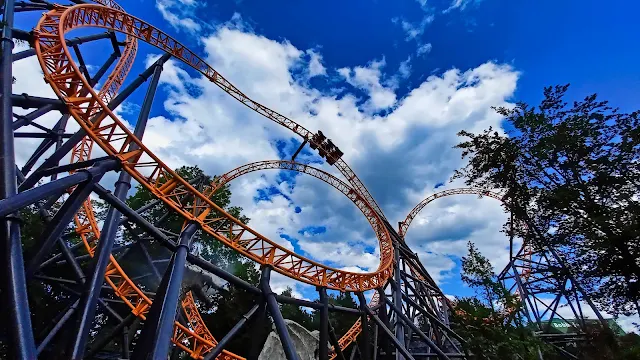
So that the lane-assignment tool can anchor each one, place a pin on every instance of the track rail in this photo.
(195, 339)
(525, 250)
(113, 137)
(355, 330)
(404, 225)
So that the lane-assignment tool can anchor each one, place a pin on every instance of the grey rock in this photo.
(305, 341)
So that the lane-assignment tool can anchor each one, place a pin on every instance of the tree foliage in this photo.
(491, 322)
(571, 174)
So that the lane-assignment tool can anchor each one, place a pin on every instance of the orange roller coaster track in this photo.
(146, 168)
(355, 330)
(404, 225)
(195, 339)
(114, 138)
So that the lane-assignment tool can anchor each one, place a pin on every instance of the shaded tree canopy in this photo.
(571, 174)
(491, 321)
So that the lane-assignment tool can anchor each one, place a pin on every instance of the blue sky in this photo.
(391, 82)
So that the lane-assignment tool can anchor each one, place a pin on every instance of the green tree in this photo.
(228, 304)
(296, 313)
(491, 322)
(571, 175)
(341, 322)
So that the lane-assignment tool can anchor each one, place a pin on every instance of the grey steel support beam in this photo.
(23, 7)
(103, 69)
(113, 215)
(365, 338)
(397, 300)
(399, 346)
(431, 316)
(158, 328)
(324, 323)
(82, 66)
(384, 317)
(14, 290)
(62, 218)
(334, 342)
(125, 343)
(234, 330)
(23, 54)
(78, 136)
(71, 261)
(150, 263)
(58, 326)
(401, 317)
(272, 304)
(24, 120)
(59, 127)
(260, 322)
(105, 340)
(17, 33)
(35, 135)
(26, 101)
(8, 206)
(135, 84)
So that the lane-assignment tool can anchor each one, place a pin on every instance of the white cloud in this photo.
(216, 132)
(424, 49)
(315, 64)
(460, 4)
(368, 78)
(414, 30)
(179, 14)
(405, 68)
(400, 155)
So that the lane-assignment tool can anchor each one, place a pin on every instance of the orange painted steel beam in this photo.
(195, 340)
(146, 168)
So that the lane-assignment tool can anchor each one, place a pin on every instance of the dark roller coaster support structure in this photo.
(407, 318)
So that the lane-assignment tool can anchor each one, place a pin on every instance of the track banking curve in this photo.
(355, 330)
(146, 168)
(195, 339)
(404, 225)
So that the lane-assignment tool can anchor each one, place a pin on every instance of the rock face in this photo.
(306, 343)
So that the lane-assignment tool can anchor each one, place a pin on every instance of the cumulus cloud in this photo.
(412, 142)
(405, 68)
(179, 14)
(400, 153)
(315, 64)
(368, 78)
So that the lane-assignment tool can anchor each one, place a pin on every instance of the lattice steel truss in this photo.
(142, 304)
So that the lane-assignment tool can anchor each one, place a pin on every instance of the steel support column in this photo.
(365, 337)
(121, 189)
(324, 324)
(158, 328)
(62, 218)
(335, 343)
(99, 344)
(58, 326)
(234, 330)
(14, 289)
(399, 346)
(281, 327)
(402, 317)
(397, 300)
